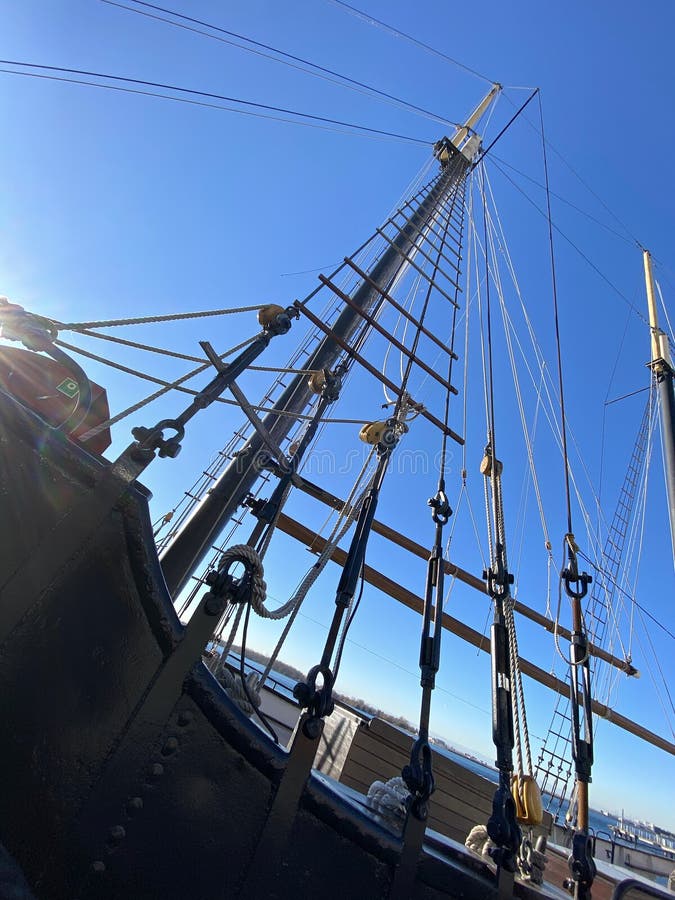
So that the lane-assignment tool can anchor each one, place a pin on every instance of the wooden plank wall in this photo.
(461, 800)
(336, 740)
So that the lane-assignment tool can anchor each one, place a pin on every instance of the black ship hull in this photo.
(128, 773)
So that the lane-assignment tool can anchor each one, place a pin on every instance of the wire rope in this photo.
(287, 59)
(371, 20)
(312, 118)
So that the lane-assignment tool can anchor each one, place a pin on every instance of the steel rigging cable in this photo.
(352, 83)
(371, 20)
(581, 863)
(364, 129)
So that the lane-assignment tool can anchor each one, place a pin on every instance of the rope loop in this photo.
(247, 697)
(17, 324)
(38, 334)
(389, 800)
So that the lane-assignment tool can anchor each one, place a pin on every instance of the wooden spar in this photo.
(424, 275)
(372, 321)
(425, 238)
(412, 601)
(462, 575)
(315, 320)
(401, 309)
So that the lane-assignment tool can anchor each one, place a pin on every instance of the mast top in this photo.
(465, 138)
(660, 347)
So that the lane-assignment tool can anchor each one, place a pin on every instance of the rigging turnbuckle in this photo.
(503, 828)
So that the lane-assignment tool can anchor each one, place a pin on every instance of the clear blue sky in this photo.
(115, 205)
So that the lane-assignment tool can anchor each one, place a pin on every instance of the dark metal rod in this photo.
(193, 543)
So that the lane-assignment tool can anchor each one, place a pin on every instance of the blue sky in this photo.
(118, 205)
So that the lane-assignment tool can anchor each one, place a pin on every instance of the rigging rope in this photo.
(166, 317)
(313, 119)
(563, 417)
(371, 20)
(582, 866)
(287, 59)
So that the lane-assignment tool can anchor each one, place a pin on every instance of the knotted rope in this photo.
(531, 860)
(388, 800)
(236, 692)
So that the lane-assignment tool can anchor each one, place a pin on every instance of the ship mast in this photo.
(194, 542)
(662, 368)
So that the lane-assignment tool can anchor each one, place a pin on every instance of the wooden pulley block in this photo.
(317, 381)
(486, 466)
(267, 314)
(527, 797)
(373, 432)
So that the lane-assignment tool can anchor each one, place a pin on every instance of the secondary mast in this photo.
(662, 368)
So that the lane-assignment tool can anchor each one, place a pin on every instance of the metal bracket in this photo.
(259, 426)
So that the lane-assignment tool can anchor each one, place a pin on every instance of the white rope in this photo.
(236, 691)
(247, 555)
(174, 354)
(531, 860)
(344, 521)
(388, 800)
(479, 841)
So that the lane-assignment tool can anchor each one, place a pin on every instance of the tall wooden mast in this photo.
(662, 367)
(198, 536)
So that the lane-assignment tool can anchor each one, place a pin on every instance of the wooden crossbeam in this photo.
(315, 320)
(412, 601)
(372, 321)
(397, 306)
(417, 268)
(406, 543)
(423, 234)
